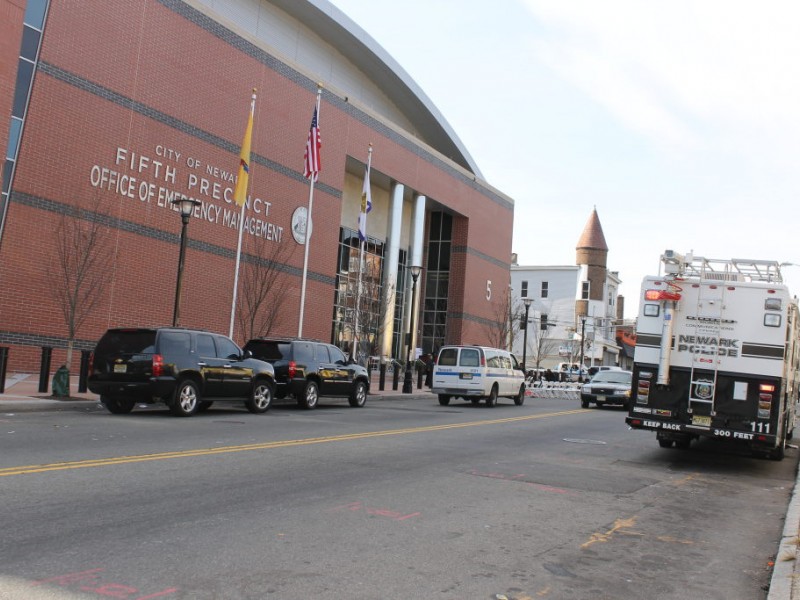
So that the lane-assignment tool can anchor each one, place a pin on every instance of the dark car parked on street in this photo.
(607, 387)
(186, 369)
(308, 370)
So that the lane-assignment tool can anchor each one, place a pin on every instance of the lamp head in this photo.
(415, 271)
(185, 204)
(527, 301)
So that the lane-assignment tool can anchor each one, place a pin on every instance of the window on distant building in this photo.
(545, 287)
(585, 290)
(524, 291)
(543, 323)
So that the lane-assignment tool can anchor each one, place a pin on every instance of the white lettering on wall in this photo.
(152, 180)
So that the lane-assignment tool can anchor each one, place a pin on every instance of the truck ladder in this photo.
(710, 306)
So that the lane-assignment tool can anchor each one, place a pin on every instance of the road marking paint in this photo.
(120, 460)
(619, 525)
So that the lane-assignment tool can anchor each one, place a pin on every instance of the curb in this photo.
(784, 582)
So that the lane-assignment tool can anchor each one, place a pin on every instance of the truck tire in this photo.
(444, 399)
(665, 443)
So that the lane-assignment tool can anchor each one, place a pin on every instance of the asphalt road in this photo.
(401, 499)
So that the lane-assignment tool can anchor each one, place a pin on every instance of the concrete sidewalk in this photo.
(21, 386)
(785, 582)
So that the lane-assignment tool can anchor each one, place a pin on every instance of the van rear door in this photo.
(458, 372)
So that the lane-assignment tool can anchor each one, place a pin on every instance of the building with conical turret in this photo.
(573, 310)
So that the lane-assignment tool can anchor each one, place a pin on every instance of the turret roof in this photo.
(592, 236)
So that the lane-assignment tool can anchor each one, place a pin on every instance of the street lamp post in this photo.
(583, 345)
(186, 206)
(415, 271)
(527, 303)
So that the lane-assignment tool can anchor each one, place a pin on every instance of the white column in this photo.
(390, 268)
(417, 243)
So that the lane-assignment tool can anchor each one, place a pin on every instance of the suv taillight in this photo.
(292, 369)
(158, 365)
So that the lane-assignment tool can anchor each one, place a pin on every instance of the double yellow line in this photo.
(120, 460)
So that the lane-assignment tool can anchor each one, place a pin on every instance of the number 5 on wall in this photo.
(488, 289)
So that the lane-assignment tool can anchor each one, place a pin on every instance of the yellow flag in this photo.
(240, 191)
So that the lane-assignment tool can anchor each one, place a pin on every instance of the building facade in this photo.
(574, 310)
(114, 111)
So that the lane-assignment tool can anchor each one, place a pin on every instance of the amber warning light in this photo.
(661, 295)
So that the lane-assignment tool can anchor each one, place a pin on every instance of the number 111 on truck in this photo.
(716, 354)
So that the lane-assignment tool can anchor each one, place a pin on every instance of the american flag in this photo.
(313, 165)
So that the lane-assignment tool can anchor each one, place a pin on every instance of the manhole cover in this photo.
(579, 441)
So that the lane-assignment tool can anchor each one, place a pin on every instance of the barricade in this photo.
(554, 389)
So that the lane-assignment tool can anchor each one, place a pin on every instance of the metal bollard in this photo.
(396, 377)
(83, 376)
(3, 365)
(382, 377)
(44, 369)
(419, 379)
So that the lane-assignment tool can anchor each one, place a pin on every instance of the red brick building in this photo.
(111, 109)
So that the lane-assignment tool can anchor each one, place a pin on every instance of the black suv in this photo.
(184, 368)
(307, 369)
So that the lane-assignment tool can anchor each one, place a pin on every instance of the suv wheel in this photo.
(260, 397)
(118, 406)
(310, 396)
(186, 400)
(358, 397)
(444, 399)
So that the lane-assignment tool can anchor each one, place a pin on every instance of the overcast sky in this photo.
(679, 121)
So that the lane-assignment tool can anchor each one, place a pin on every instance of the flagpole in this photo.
(308, 232)
(363, 241)
(241, 227)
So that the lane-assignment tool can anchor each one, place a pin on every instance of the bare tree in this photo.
(263, 287)
(503, 327)
(540, 344)
(365, 306)
(83, 256)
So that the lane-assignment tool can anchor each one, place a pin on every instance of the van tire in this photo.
(491, 400)
(520, 398)
(444, 399)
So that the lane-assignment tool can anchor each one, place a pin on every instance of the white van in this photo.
(477, 372)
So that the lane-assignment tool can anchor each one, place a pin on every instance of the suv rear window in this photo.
(126, 342)
(269, 349)
(174, 342)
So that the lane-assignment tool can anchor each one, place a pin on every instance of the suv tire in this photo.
(358, 397)
(186, 400)
(310, 396)
(260, 397)
(444, 399)
(118, 406)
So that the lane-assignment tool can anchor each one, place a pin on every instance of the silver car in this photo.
(607, 387)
